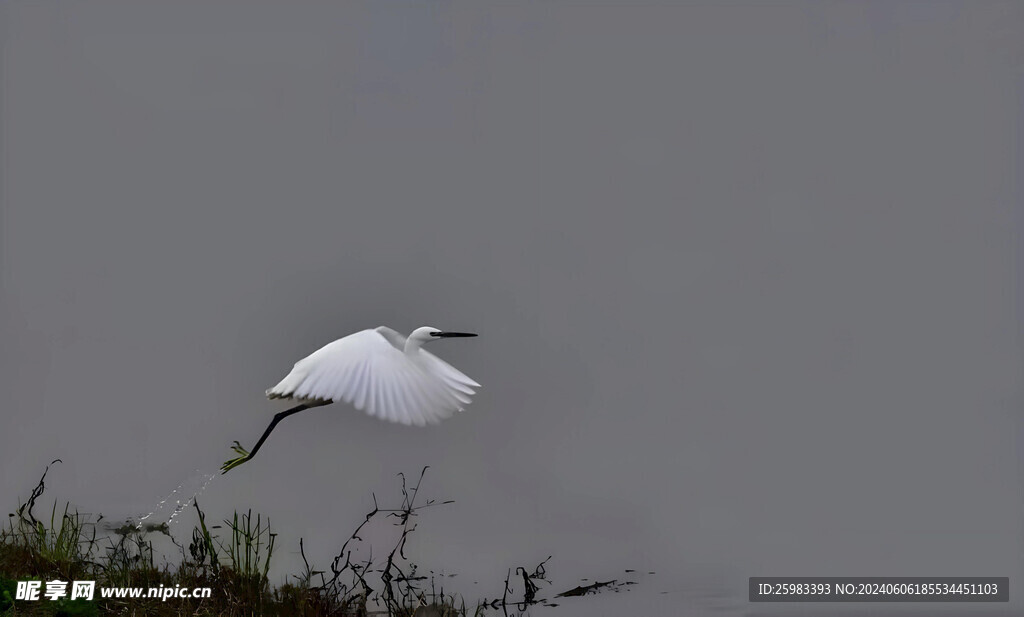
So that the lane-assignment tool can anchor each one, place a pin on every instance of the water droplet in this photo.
(183, 496)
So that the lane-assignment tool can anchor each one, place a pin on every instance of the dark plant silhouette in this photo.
(234, 559)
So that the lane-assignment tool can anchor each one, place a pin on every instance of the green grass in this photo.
(233, 560)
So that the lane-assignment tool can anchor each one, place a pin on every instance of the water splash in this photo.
(183, 496)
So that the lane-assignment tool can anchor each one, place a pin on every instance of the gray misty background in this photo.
(746, 277)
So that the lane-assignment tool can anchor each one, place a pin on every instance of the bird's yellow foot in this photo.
(235, 462)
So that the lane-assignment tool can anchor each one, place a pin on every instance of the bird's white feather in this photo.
(371, 371)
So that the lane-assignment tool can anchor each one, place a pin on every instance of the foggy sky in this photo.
(746, 276)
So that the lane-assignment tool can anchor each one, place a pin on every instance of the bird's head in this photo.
(428, 333)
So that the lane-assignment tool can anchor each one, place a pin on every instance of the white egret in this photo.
(378, 371)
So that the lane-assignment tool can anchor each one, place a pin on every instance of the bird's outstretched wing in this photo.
(366, 370)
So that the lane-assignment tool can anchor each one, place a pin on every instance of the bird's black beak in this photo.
(451, 334)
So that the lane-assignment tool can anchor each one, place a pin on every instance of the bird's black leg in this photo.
(273, 423)
(229, 465)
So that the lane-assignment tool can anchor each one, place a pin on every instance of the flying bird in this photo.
(378, 371)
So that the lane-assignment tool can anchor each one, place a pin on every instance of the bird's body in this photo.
(378, 371)
(383, 373)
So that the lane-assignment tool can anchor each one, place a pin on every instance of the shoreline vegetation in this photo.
(233, 560)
